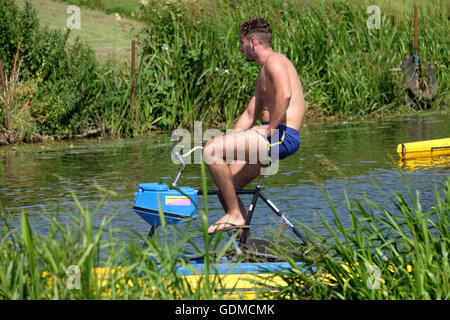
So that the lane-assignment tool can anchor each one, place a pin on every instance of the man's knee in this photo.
(212, 151)
(208, 151)
(208, 144)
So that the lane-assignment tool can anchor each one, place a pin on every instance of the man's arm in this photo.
(277, 72)
(248, 118)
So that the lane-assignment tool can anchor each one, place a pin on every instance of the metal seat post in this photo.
(261, 177)
(251, 209)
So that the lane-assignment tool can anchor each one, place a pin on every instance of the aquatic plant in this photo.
(384, 254)
(72, 258)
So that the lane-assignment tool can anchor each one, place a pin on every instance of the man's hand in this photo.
(265, 131)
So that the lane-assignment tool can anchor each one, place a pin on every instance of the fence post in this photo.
(132, 106)
(5, 96)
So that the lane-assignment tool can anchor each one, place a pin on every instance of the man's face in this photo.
(247, 48)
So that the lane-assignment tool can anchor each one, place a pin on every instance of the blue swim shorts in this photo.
(287, 142)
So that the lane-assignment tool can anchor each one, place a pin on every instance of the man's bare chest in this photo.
(264, 88)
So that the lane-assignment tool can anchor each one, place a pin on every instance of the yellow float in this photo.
(424, 149)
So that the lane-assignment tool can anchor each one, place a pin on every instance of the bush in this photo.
(67, 75)
(65, 103)
(17, 34)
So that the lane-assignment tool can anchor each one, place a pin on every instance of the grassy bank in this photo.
(189, 67)
(107, 34)
(129, 8)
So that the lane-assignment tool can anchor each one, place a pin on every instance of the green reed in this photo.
(37, 265)
(194, 71)
(344, 66)
(383, 254)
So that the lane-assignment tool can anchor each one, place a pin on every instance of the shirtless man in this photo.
(278, 100)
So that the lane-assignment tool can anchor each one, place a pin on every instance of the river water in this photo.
(340, 158)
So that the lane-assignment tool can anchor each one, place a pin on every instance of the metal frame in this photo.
(257, 193)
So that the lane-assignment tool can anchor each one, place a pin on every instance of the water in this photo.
(344, 158)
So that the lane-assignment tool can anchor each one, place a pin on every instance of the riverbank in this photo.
(12, 138)
(186, 70)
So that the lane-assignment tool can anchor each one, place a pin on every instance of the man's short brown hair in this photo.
(258, 28)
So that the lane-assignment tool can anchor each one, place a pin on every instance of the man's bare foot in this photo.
(226, 222)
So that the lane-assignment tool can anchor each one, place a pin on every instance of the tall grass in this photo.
(124, 7)
(344, 66)
(401, 254)
(44, 265)
(398, 254)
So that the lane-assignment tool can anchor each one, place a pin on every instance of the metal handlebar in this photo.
(174, 137)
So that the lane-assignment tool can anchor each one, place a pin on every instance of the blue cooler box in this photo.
(175, 204)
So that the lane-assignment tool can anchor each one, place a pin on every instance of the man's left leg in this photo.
(244, 147)
(242, 175)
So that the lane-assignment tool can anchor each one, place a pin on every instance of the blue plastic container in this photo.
(175, 204)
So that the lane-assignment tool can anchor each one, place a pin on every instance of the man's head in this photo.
(255, 32)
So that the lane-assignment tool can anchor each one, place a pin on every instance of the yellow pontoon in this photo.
(424, 149)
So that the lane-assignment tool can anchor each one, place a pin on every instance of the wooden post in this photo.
(415, 31)
(5, 96)
(133, 52)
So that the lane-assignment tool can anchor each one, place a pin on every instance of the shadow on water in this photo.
(337, 158)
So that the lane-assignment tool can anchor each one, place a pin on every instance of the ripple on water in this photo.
(344, 162)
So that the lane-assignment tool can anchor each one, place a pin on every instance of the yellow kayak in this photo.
(422, 149)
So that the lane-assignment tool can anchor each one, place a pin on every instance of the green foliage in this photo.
(189, 66)
(67, 74)
(399, 254)
(344, 66)
(67, 99)
(17, 33)
(37, 265)
(123, 7)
